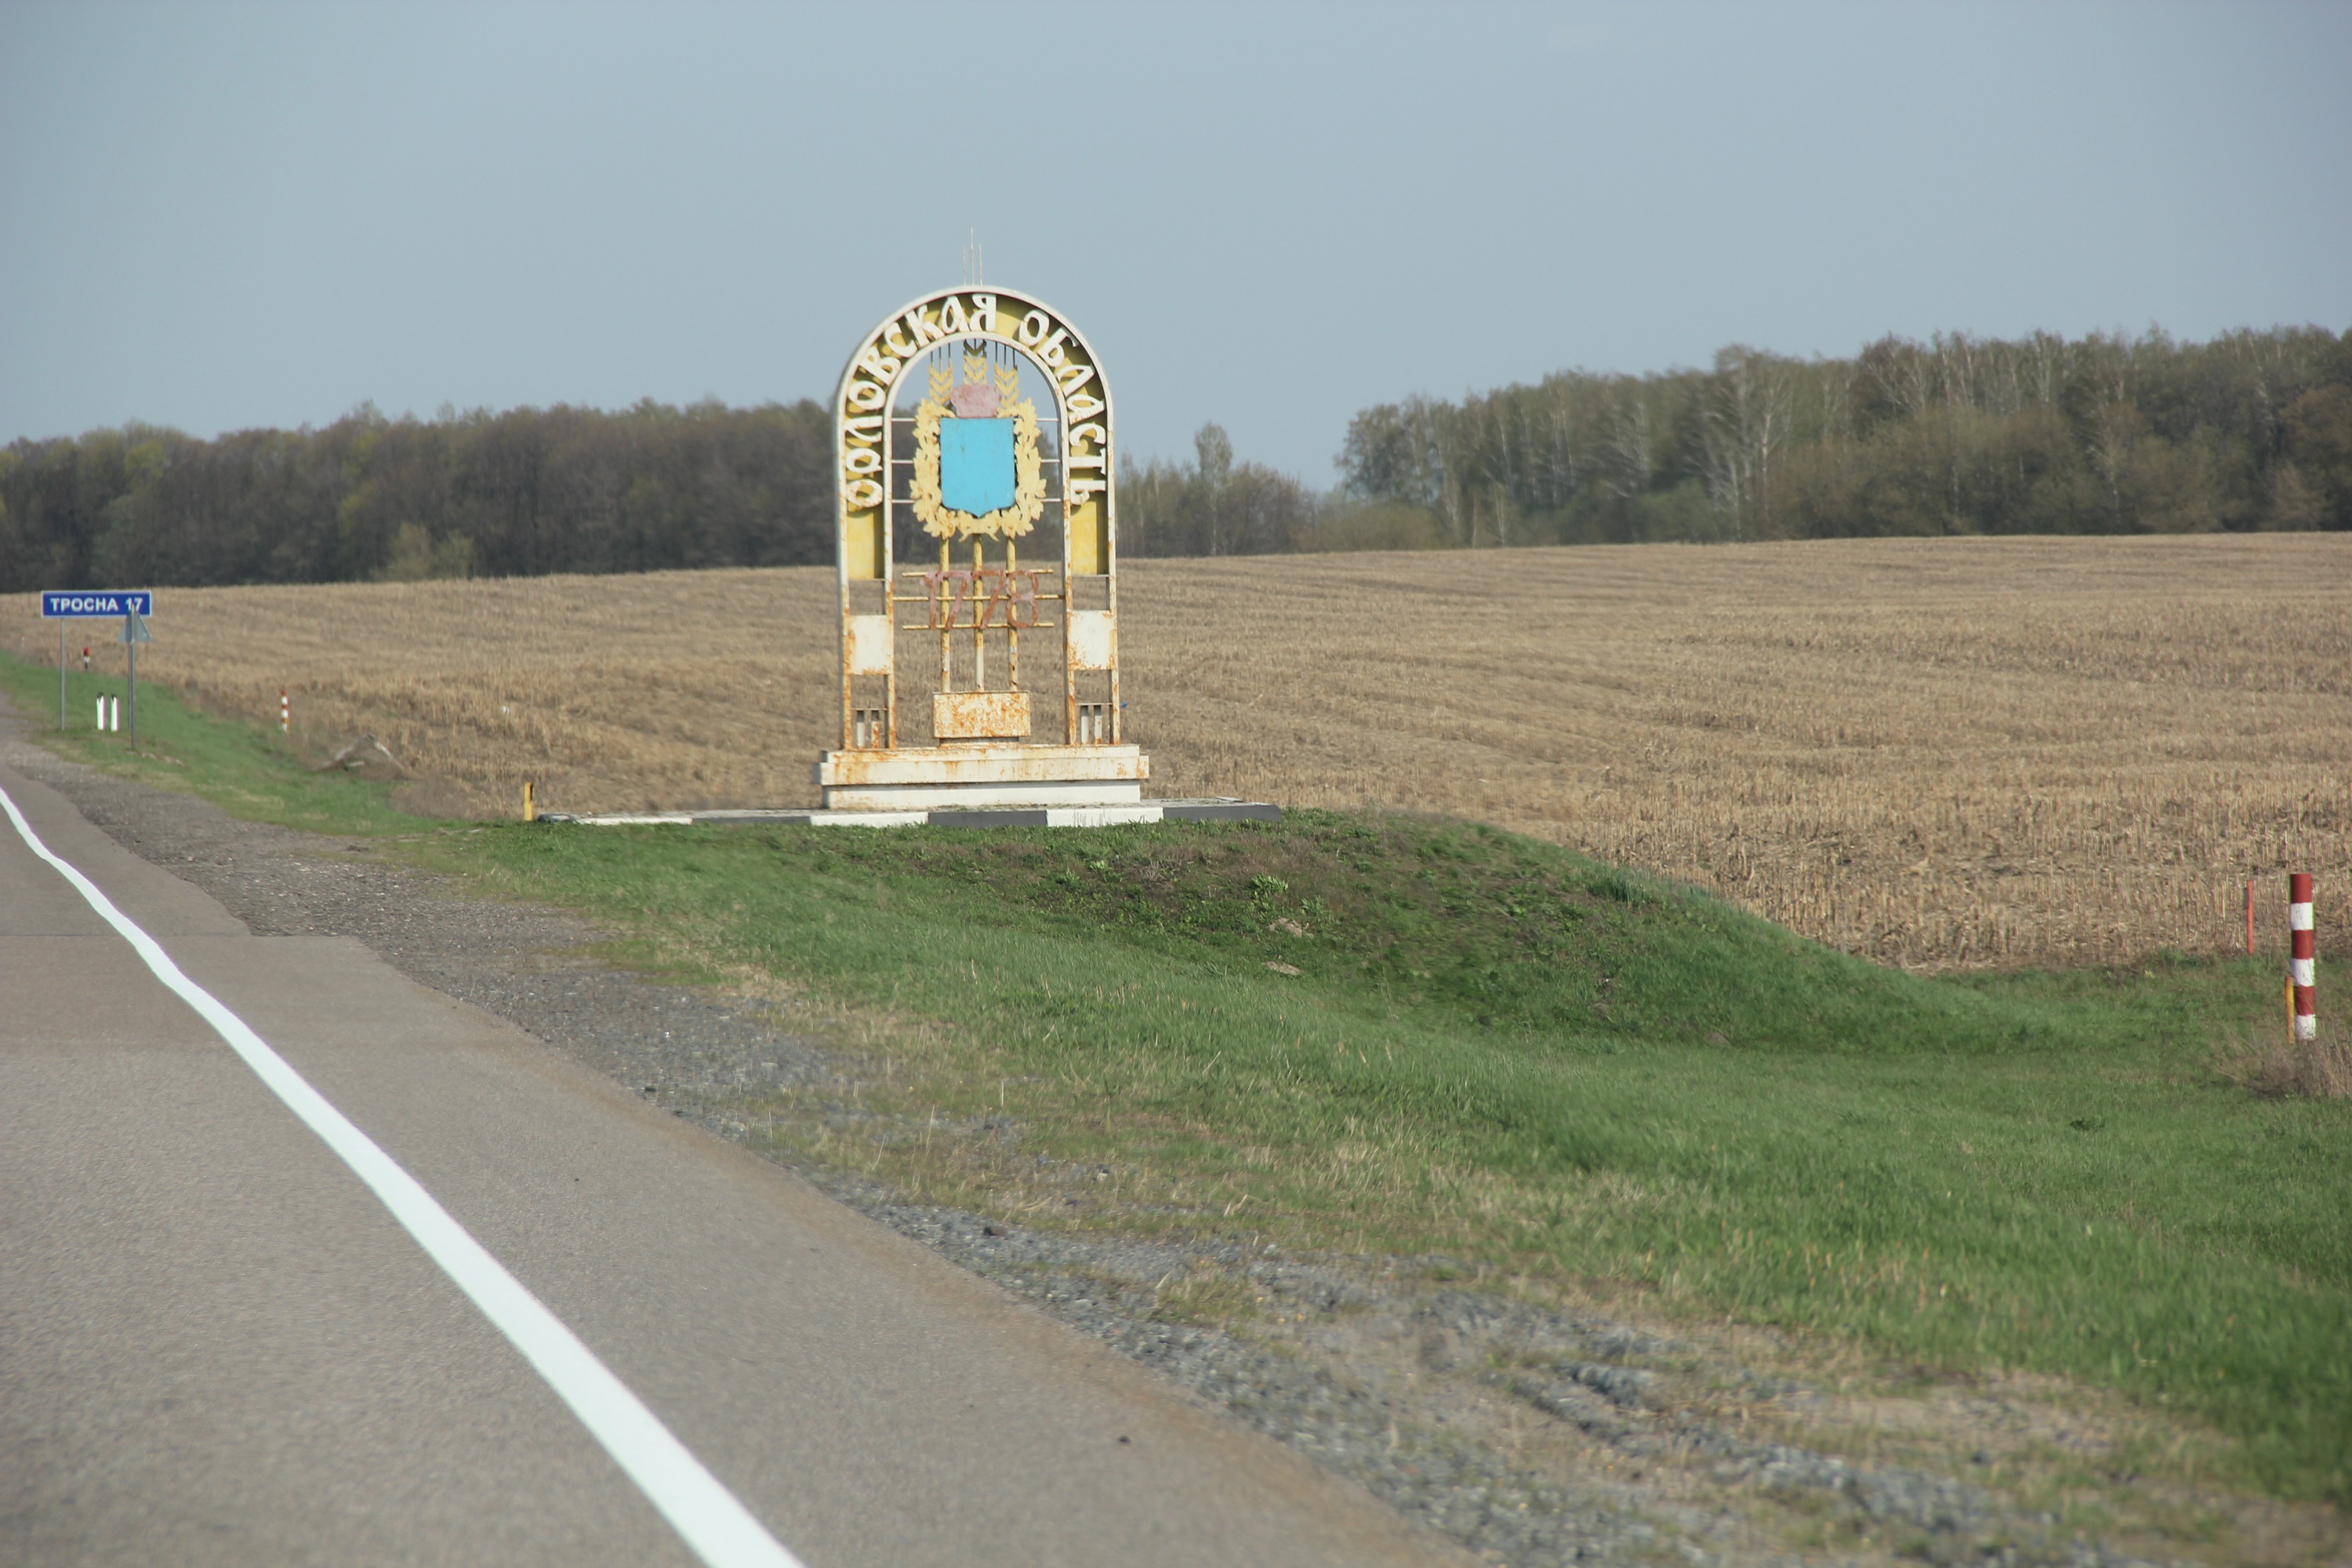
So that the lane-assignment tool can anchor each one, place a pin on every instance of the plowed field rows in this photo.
(1940, 753)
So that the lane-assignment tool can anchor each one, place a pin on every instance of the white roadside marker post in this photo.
(2301, 963)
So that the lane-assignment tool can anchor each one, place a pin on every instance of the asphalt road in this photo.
(217, 1346)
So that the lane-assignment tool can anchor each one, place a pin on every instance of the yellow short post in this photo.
(530, 811)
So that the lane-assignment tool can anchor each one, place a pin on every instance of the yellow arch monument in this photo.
(978, 559)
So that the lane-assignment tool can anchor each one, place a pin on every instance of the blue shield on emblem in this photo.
(976, 464)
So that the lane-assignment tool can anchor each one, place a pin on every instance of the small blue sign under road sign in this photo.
(92, 603)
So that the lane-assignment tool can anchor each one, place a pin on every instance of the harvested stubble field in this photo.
(1942, 753)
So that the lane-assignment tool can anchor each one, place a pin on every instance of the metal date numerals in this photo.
(964, 598)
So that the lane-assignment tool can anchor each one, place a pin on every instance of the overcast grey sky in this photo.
(223, 216)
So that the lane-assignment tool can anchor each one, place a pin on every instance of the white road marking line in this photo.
(719, 1529)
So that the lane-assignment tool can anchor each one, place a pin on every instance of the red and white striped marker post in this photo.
(285, 712)
(2299, 966)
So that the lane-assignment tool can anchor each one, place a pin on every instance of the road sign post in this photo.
(134, 632)
(133, 604)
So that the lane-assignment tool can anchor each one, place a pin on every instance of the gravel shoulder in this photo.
(1532, 1428)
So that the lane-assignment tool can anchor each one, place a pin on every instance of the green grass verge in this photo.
(249, 770)
(1502, 1052)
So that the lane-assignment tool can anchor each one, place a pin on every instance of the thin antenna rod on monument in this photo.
(971, 259)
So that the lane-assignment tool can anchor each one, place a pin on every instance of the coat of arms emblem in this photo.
(977, 474)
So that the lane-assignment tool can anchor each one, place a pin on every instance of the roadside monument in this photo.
(979, 565)
(977, 538)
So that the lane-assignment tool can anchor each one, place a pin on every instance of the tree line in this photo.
(2102, 434)
(2106, 433)
(520, 494)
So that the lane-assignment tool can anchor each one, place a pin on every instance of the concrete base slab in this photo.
(982, 774)
(1047, 792)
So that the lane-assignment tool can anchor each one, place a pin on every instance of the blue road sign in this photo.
(93, 603)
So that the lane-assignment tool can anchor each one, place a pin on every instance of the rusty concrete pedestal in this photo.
(982, 774)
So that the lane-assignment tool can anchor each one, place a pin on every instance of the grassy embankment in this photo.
(247, 769)
(1505, 1053)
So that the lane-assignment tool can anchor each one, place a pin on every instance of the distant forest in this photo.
(1959, 435)
(514, 494)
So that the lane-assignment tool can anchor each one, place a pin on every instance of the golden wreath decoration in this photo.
(940, 520)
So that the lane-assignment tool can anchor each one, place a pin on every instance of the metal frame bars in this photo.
(865, 460)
